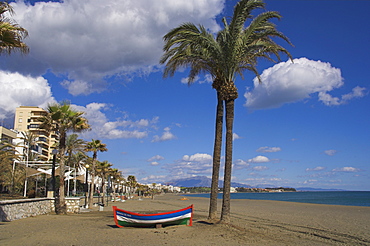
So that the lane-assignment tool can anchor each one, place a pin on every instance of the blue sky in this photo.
(306, 125)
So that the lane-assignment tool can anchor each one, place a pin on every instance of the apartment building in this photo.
(27, 120)
(7, 135)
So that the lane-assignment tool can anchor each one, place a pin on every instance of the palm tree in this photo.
(62, 118)
(29, 145)
(234, 50)
(116, 177)
(131, 183)
(103, 169)
(75, 147)
(94, 146)
(8, 170)
(11, 34)
(191, 46)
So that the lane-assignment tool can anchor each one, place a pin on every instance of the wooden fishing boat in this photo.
(125, 218)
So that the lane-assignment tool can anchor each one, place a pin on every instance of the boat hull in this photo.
(125, 218)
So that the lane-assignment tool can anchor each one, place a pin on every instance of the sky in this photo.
(306, 125)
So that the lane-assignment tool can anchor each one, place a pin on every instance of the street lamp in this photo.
(108, 190)
(86, 184)
(25, 181)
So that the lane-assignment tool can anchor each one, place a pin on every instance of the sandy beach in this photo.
(254, 222)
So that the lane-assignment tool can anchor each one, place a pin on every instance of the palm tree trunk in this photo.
(104, 189)
(225, 213)
(91, 195)
(74, 180)
(216, 159)
(61, 207)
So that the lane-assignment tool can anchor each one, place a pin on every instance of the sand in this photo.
(254, 222)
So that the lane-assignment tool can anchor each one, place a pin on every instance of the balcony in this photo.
(33, 126)
(42, 139)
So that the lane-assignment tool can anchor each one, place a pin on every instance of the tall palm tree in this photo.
(103, 169)
(234, 50)
(189, 45)
(11, 34)
(94, 146)
(74, 149)
(244, 43)
(62, 118)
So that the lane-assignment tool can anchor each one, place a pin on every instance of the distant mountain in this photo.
(198, 181)
(201, 181)
(316, 189)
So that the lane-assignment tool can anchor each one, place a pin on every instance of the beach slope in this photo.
(254, 222)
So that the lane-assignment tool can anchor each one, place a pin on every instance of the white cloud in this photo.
(268, 149)
(288, 82)
(310, 181)
(346, 169)
(19, 90)
(334, 101)
(166, 136)
(239, 163)
(103, 128)
(260, 168)
(154, 163)
(155, 158)
(207, 79)
(198, 158)
(236, 136)
(330, 152)
(89, 41)
(191, 165)
(259, 159)
(315, 169)
(356, 92)
(153, 179)
(81, 87)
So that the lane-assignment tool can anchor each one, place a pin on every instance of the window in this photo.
(20, 120)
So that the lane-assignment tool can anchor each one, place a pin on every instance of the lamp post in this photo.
(25, 181)
(108, 190)
(51, 186)
(86, 183)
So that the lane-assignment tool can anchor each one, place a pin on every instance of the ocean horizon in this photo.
(346, 198)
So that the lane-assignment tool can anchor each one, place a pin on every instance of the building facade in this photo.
(7, 135)
(27, 122)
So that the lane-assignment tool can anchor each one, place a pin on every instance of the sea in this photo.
(347, 198)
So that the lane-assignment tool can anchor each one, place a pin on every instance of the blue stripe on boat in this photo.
(153, 217)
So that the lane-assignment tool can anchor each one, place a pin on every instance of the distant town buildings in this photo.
(169, 188)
